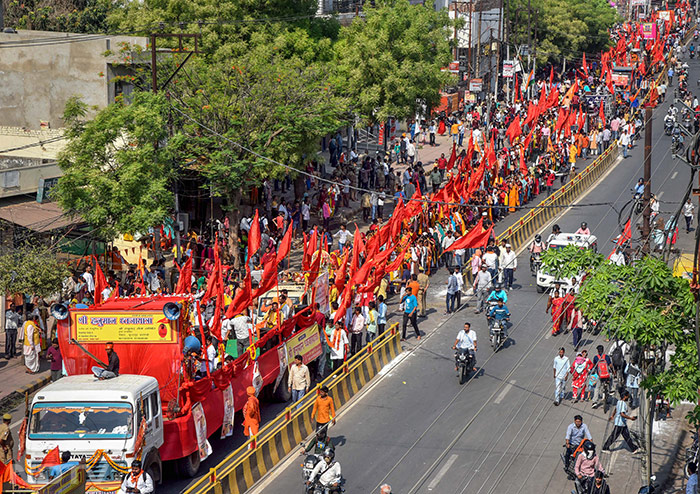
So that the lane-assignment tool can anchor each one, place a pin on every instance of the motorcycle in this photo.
(317, 488)
(638, 203)
(497, 333)
(535, 263)
(465, 363)
(668, 127)
(677, 144)
(649, 489)
(308, 466)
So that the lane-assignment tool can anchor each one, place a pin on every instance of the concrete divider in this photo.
(245, 466)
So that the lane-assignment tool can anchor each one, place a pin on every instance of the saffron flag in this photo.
(285, 245)
(254, 236)
(453, 157)
(100, 282)
(184, 281)
(514, 129)
(476, 237)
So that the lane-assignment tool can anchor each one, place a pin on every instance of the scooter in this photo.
(316, 488)
(668, 127)
(535, 263)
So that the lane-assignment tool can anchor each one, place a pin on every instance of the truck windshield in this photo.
(81, 421)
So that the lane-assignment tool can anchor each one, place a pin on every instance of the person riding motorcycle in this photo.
(639, 188)
(466, 341)
(584, 230)
(537, 246)
(587, 464)
(555, 229)
(318, 444)
(691, 50)
(498, 293)
(328, 472)
(500, 313)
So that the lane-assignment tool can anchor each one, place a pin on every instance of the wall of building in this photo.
(40, 70)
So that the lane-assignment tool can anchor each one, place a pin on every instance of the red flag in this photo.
(542, 103)
(491, 154)
(242, 299)
(309, 249)
(52, 458)
(551, 77)
(585, 67)
(345, 302)
(360, 276)
(397, 218)
(453, 157)
(184, 281)
(396, 264)
(100, 282)
(624, 237)
(561, 119)
(476, 237)
(269, 278)
(602, 113)
(254, 236)
(523, 166)
(342, 272)
(518, 96)
(285, 245)
(475, 179)
(514, 129)
(357, 249)
(526, 142)
(315, 268)
(581, 120)
(531, 113)
(7, 474)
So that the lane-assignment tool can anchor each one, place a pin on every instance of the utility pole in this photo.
(478, 46)
(646, 226)
(2, 19)
(154, 87)
(456, 50)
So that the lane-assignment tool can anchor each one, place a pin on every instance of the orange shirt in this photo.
(324, 410)
(414, 286)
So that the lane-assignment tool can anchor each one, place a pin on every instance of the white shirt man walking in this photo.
(561, 374)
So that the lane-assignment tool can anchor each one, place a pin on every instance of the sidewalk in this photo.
(15, 380)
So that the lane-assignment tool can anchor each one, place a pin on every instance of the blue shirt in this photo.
(692, 485)
(381, 318)
(499, 313)
(577, 434)
(498, 295)
(58, 470)
(411, 302)
(621, 408)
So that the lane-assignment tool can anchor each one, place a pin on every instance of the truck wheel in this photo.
(282, 393)
(154, 467)
(154, 472)
(188, 466)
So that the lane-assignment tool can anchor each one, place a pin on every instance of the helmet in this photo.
(329, 453)
(589, 449)
(584, 225)
(555, 228)
(538, 238)
(498, 285)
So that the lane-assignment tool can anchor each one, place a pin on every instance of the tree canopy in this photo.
(32, 269)
(642, 303)
(75, 16)
(390, 61)
(117, 168)
(564, 28)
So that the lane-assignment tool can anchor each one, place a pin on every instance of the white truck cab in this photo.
(82, 414)
(545, 280)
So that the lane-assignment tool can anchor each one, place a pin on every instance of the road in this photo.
(420, 431)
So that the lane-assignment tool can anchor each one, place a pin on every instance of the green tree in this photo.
(390, 60)
(262, 105)
(643, 303)
(75, 16)
(565, 28)
(32, 269)
(118, 167)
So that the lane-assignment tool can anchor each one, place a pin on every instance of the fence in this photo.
(529, 224)
(244, 467)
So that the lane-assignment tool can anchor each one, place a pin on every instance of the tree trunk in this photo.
(234, 218)
(299, 187)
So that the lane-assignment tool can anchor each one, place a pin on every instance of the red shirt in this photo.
(442, 163)
(56, 360)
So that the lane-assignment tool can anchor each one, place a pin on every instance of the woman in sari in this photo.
(579, 374)
(31, 347)
(556, 303)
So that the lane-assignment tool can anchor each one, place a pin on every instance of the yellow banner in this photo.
(122, 327)
(306, 343)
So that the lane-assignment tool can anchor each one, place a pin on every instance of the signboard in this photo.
(476, 85)
(306, 343)
(620, 79)
(469, 97)
(122, 327)
(648, 30)
(229, 410)
(200, 428)
(638, 3)
(508, 68)
(453, 67)
(69, 482)
(666, 15)
(44, 188)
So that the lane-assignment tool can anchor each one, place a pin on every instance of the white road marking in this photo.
(660, 194)
(675, 174)
(12, 426)
(442, 472)
(504, 392)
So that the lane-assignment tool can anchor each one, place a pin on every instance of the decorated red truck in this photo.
(151, 336)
